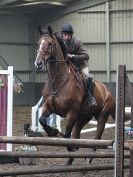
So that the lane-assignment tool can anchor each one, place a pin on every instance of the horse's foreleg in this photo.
(80, 123)
(76, 134)
(43, 121)
(49, 130)
(70, 121)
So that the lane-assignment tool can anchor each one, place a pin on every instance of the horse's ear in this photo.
(40, 30)
(50, 31)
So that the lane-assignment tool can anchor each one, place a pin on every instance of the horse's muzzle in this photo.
(39, 66)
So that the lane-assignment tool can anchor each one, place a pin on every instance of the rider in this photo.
(79, 57)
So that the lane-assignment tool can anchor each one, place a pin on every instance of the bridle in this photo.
(50, 52)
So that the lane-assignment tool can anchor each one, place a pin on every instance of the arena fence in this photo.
(61, 142)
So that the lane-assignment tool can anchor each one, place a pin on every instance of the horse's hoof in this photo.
(72, 149)
(60, 134)
(91, 159)
(69, 162)
(32, 133)
(88, 161)
(54, 132)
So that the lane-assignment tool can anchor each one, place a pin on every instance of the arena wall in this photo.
(31, 96)
(106, 32)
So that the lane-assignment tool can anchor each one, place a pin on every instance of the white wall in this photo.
(90, 25)
(16, 43)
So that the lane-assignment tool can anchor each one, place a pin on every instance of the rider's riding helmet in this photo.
(67, 28)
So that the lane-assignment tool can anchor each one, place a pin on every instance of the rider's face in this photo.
(67, 37)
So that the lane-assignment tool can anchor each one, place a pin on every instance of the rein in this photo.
(62, 85)
(74, 71)
(55, 61)
(53, 93)
(51, 84)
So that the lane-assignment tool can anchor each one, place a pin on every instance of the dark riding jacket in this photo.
(80, 57)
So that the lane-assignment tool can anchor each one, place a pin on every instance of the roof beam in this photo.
(6, 2)
(31, 3)
(74, 7)
(82, 5)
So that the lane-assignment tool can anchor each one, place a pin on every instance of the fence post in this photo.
(7, 96)
(120, 114)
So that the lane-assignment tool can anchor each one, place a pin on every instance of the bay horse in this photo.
(65, 93)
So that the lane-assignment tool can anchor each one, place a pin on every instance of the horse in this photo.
(65, 92)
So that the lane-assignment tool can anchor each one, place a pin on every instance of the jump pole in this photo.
(9, 102)
(42, 154)
(62, 142)
(56, 169)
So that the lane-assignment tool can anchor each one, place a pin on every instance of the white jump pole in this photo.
(35, 115)
(53, 120)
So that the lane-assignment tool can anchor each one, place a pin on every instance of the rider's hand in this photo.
(69, 57)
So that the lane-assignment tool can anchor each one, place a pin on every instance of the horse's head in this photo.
(46, 49)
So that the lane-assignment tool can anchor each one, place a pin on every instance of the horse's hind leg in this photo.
(80, 123)
(101, 121)
(102, 117)
(71, 119)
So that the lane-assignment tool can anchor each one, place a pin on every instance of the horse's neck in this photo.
(58, 70)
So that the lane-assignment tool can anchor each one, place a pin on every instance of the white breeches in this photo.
(86, 73)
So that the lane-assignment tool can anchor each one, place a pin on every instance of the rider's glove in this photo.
(69, 57)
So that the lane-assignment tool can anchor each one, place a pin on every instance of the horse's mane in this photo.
(62, 45)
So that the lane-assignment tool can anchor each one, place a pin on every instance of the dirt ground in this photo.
(23, 115)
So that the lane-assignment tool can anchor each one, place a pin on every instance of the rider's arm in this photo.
(80, 53)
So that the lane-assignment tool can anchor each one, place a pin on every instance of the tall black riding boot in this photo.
(90, 92)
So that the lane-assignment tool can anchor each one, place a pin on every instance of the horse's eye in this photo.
(49, 44)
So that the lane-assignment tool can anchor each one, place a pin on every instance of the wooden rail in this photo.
(62, 142)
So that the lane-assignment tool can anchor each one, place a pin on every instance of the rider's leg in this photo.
(89, 83)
